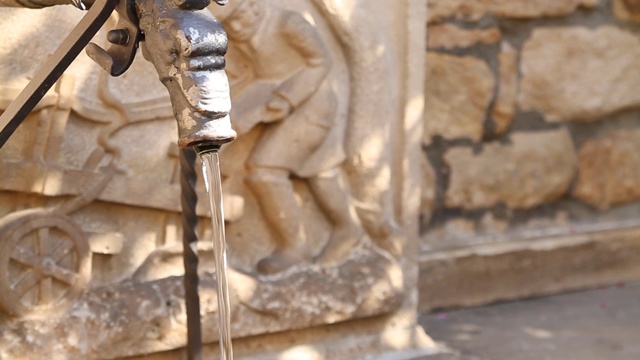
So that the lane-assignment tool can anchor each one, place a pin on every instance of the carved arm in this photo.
(305, 39)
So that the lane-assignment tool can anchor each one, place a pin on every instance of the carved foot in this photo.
(339, 246)
(278, 261)
(392, 244)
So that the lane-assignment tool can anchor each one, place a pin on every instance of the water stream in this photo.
(211, 172)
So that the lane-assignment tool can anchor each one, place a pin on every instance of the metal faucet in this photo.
(186, 44)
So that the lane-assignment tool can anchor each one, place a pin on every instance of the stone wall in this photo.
(532, 124)
(531, 116)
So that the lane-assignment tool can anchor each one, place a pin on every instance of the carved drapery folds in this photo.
(310, 196)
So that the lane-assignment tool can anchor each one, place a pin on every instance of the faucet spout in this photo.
(187, 44)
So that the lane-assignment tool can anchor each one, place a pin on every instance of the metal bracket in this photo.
(124, 41)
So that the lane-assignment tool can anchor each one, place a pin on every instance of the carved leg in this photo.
(332, 197)
(275, 196)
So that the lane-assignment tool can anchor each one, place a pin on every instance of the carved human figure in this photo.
(291, 100)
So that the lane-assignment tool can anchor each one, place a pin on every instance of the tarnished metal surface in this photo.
(124, 41)
(187, 48)
(189, 200)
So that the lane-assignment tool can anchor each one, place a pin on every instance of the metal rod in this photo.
(190, 253)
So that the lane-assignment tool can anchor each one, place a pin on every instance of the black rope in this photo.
(190, 253)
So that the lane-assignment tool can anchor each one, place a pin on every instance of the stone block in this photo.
(628, 10)
(480, 275)
(473, 10)
(609, 169)
(448, 36)
(580, 74)
(537, 167)
(458, 92)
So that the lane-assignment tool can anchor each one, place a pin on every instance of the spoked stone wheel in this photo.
(45, 262)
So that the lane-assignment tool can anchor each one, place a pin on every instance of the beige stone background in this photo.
(531, 170)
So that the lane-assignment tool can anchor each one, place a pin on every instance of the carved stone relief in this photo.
(89, 209)
(290, 101)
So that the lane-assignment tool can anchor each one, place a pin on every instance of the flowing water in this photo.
(211, 172)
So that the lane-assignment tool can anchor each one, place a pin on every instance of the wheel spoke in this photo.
(42, 241)
(61, 250)
(63, 275)
(22, 276)
(26, 283)
(25, 257)
(56, 247)
(46, 291)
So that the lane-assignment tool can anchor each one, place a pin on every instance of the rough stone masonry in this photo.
(531, 132)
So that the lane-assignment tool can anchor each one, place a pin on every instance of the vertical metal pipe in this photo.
(189, 200)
